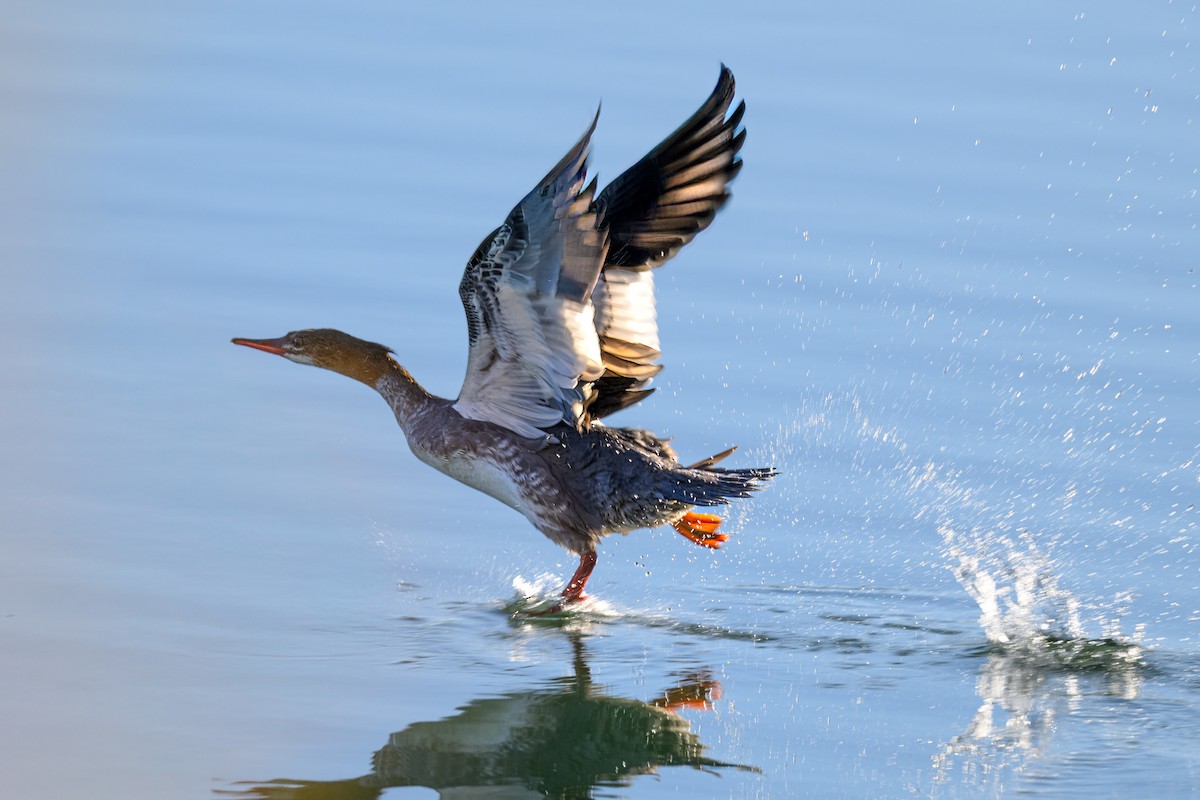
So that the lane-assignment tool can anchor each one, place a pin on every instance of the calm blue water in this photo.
(953, 301)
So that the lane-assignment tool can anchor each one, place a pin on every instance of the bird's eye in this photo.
(297, 341)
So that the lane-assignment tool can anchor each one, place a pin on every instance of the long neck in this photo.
(402, 392)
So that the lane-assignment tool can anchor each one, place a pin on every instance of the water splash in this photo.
(1015, 582)
(1015, 588)
(989, 533)
(1006, 538)
(533, 595)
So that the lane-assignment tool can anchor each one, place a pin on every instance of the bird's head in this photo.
(328, 349)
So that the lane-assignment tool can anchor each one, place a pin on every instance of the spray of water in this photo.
(537, 594)
(987, 536)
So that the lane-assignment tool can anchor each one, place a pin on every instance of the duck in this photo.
(562, 333)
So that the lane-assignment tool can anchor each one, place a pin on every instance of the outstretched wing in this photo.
(527, 295)
(652, 210)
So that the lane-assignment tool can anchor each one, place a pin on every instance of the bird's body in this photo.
(561, 323)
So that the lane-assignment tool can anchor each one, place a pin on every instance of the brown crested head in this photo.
(328, 349)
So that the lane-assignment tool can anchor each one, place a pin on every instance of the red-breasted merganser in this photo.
(561, 324)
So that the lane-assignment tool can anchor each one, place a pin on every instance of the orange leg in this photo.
(702, 529)
(574, 590)
(573, 593)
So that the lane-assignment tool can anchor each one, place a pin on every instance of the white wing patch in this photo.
(625, 309)
(557, 334)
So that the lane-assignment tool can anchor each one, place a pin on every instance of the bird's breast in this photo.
(477, 471)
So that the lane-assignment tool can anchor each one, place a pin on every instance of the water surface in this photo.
(953, 301)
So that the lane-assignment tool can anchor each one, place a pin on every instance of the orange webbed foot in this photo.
(701, 529)
(698, 694)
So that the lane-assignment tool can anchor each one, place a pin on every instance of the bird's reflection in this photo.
(561, 740)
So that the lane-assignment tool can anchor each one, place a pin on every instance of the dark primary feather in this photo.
(652, 210)
(614, 392)
(660, 203)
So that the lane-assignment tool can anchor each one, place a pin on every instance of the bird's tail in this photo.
(705, 485)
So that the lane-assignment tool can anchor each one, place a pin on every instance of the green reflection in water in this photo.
(559, 740)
